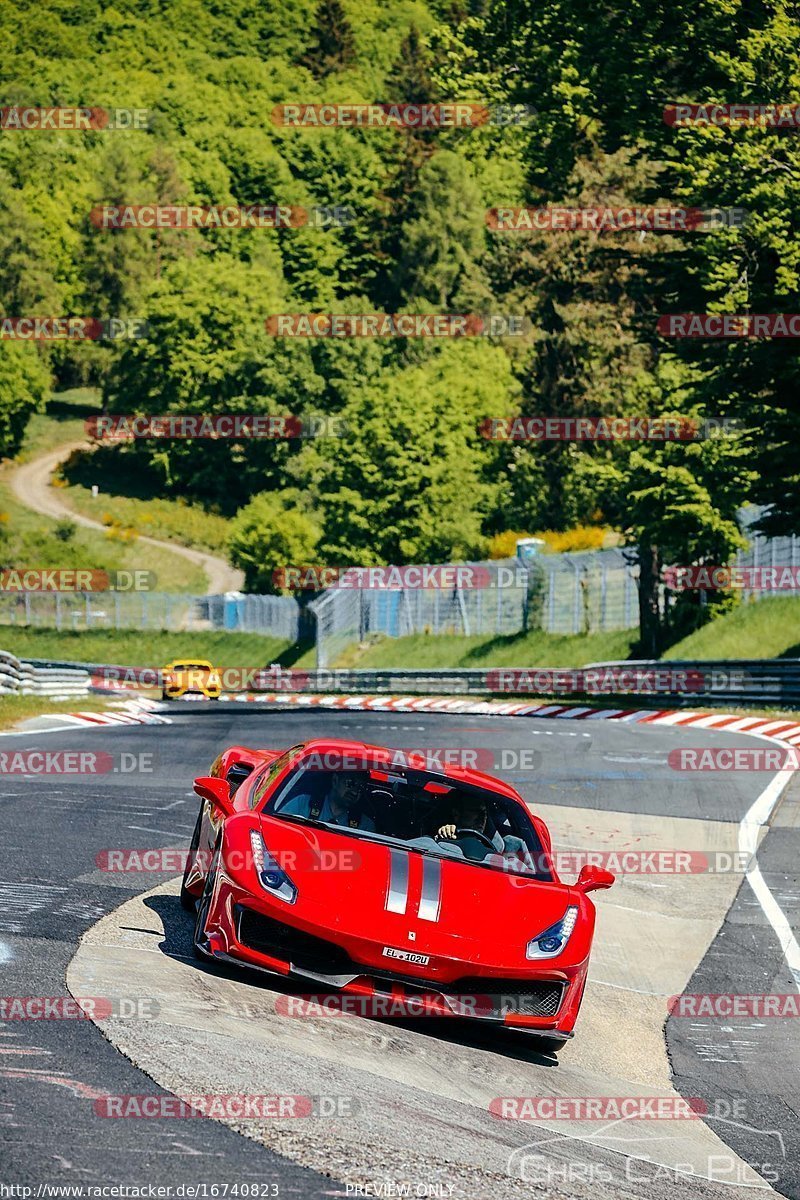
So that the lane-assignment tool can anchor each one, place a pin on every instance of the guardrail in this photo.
(682, 683)
(678, 683)
(21, 677)
(10, 674)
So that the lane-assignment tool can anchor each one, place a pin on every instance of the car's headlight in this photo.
(271, 875)
(553, 940)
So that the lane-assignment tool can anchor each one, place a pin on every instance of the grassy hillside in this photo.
(129, 648)
(129, 506)
(535, 649)
(767, 629)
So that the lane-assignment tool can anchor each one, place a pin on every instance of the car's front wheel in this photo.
(200, 941)
(189, 901)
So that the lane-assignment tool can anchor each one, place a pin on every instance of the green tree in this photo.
(207, 352)
(333, 47)
(410, 77)
(268, 535)
(24, 385)
(412, 481)
(443, 241)
(677, 506)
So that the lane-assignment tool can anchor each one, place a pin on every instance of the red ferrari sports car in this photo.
(360, 869)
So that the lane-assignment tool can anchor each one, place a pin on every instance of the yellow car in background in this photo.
(190, 676)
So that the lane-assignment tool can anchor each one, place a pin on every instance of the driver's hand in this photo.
(446, 831)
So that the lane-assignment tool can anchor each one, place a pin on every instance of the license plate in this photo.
(421, 960)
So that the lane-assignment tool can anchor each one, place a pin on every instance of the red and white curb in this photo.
(130, 712)
(784, 730)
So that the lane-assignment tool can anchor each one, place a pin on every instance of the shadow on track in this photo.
(475, 1035)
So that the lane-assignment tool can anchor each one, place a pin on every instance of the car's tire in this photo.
(203, 907)
(189, 901)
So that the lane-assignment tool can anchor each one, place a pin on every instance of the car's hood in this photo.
(372, 890)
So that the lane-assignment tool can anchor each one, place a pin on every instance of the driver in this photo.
(473, 814)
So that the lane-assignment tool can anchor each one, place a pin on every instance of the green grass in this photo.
(135, 648)
(21, 708)
(768, 628)
(62, 421)
(534, 649)
(28, 539)
(128, 495)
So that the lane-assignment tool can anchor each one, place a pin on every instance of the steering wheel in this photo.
(475, 833)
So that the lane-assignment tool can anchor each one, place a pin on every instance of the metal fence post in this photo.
(603, 594)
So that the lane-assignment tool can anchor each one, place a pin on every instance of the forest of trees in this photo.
(414, 480)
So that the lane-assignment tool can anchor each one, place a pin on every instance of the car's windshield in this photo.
(422, 810)
(270, 773)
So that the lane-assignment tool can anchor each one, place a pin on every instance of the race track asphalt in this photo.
(598, 784)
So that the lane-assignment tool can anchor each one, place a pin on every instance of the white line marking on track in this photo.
(166, 832)
(757, 816)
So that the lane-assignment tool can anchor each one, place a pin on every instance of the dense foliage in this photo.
(412, 479)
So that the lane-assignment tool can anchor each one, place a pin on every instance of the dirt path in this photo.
(31, 485)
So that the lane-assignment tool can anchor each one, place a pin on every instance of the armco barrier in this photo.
(681, 683)
(767, 683)
(10, 674)
(20, 677)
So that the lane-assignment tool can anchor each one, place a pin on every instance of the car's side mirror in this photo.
(216, 792)
(591, 879)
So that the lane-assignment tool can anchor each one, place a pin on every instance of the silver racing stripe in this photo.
(431, 898)
(397, 898)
